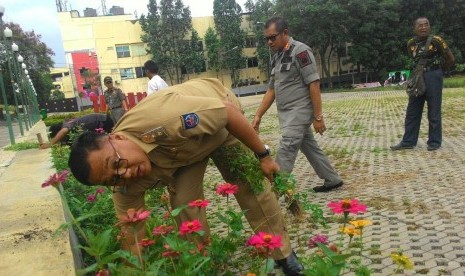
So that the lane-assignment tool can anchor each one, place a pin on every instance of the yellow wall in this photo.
(64, 81)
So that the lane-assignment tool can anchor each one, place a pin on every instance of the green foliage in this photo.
(57, 95)
(228, 19)
(23, 146)
(454, 82)
(329, 264)
(165, 28)
(60, 118)
(212, 44)
(193, 57)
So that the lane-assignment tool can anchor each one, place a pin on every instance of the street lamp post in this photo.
(7, 35)
(3, 91)
(27, 98)
(20, 88)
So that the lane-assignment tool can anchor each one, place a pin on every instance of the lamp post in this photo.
(8, 34)
(19, 83)
(26, 96)
(3, 91)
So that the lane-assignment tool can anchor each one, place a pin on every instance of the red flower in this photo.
(169, 253)
(265, 240)
(199, 203)
(133, 216)
(99, 130)
(103, 272)
(313, 241)
(190, 227)
(56, 179)
(91, 198)
(226, 189)
(162, 230)
(146, 242)
(347, 206)
(100, 191)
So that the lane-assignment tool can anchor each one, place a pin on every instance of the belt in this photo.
(431, 68)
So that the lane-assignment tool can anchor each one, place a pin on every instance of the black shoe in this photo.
(291, 265)
(324, 188)
(431, 148)
(401, 147)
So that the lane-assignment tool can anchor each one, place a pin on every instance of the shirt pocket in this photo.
(288, 72)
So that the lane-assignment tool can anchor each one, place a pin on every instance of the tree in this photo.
(165, 28)
(37, 56)
(212, 45)
(228, 19)
(193, 56)
(260, 11)
(57, 95)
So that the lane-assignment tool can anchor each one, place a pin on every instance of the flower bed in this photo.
(184, 249)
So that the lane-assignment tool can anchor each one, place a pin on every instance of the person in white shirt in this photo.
(156, 83)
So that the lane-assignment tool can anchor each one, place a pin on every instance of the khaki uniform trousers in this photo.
(263, 211)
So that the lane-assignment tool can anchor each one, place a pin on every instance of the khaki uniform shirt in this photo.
(176, 127)
(292, 70)
(115, 98)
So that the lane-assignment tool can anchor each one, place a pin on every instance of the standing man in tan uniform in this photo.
(295, 84)
(197, 120)
(115, 99)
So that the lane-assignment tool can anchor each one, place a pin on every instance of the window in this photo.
(126, 73)
(138, 50)
(122, 51)
(250, 42)
(252, 62)
(140, 72)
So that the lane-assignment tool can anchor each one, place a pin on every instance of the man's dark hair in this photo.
(108, 124)
(151, 66)
(279, 22)
(77, 162)
(54, 129)
(416, 20)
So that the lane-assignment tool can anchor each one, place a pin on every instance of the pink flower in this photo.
(91, 198)
(132, 216)
(226, 189)
(265, 240)
(162, 230)
(190, 227)
(312, 242)
(170, 253)
(347, 206)
(103, 272)
(56, 179)
(99, 130)
(199, 203)
(146, 242)
(100, 191)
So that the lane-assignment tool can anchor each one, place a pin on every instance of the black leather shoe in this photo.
(431, 148)
(401, 147)
(291, 265)
(324, 189)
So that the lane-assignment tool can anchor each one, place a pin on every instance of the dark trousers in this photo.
(433, 98)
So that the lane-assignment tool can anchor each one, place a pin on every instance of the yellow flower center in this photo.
(267, 238)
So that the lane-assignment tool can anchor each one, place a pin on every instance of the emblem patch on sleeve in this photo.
(190, 120)
(303, 58)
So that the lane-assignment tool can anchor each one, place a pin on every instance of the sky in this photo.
(41, 16)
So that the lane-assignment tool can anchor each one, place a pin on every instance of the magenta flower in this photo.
(103, 272)
(56, 179)
(162, 230)
(146, 242)
(226, 189)
(99, 130)
(132, 217)
(347, 206)
(170, 253)
(190, 227)
(313, 241)
(100, 191)
(91, 198)
(199, 203)
(265, 240)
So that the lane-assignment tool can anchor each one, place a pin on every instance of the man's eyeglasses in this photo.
(272, 37)
(121, 166)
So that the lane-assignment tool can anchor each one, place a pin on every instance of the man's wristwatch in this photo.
(318, 117)
(264, 154)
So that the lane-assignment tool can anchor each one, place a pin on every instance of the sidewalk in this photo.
(31, 215)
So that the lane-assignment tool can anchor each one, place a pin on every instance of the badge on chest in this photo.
(152, 135)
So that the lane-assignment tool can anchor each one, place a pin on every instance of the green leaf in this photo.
(178, 210)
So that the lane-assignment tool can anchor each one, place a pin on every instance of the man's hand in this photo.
(269, 167)
(319, 126)
(256, 123)
(45, 146)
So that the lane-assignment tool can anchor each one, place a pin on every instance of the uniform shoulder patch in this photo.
(190, 120)
(442, 43)
(303, 58)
